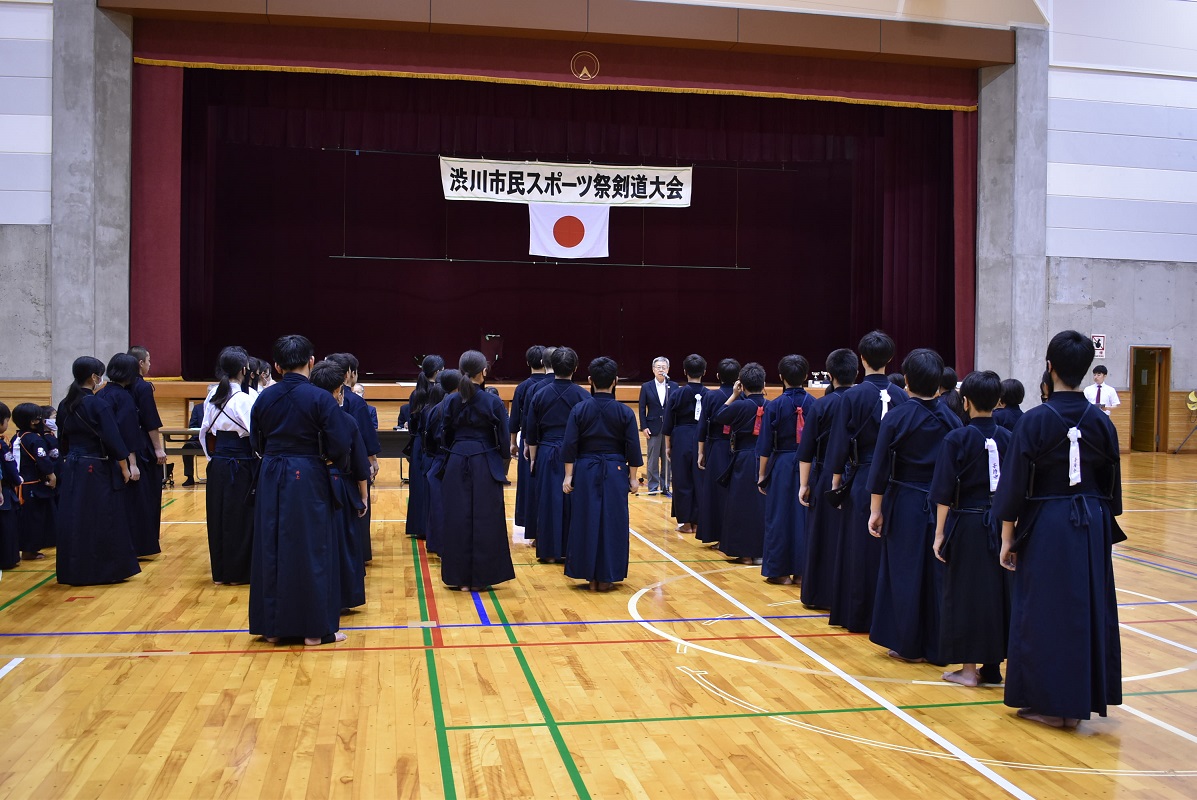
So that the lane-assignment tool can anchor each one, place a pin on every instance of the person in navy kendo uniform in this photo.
(535, 358)
(783, 427)
(146, 493)
(849, 458)
(95, 544)
(1010, 411)
(1059, 494)
(435, 454)
(295, 587)
(743, 534)
(825, 521)
(366, 420)
(975, 624)
(601, 453)
(37, 464)
(683, 408)
(350, 476)
(714, 454)
(547, 413)
(475, 552)
(909, 593)
(10, 482)
(417, 492)
(653, 395)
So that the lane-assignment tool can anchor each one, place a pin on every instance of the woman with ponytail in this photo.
(435, 454)
(417, 497)
(474, 548)
(232, 470)
(95, 544)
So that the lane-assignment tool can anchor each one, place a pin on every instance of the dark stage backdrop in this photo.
(312, 204)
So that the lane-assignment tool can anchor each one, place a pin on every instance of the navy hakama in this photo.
(1065, 656)
(785, 517)
(145, 495)
(367, 425)
(716, 458)
(417, 480)
(602, 442)
(231, 477)
(850, 454)
(475, 550)
(295, 576)
(743, 534)
(908, 605)
(35, 497)
(523, 477)
(824, 522)
(345, 475)
(94, 541)
(975, 623)
(682, 407)
(434, 457)
(545, 420)
(10, 549)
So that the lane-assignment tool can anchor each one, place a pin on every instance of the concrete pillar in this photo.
(89, 242)
(1012, 278)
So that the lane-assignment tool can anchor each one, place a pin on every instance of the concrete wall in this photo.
(24, 308)
(1133, 303)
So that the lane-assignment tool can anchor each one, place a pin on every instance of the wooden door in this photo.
(1149, 384)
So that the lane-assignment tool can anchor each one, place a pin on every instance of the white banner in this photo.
(572, 184)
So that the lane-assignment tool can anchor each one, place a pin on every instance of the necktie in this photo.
(1098, 400)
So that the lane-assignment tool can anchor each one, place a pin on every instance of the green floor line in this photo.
(434, 684)
(30, 570)
(37, 585)
(168, 502)
(751, 714)
(566, 757)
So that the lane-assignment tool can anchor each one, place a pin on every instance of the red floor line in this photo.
(524, 644)
(437, 639)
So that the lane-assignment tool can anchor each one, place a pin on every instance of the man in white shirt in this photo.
(1100, 395)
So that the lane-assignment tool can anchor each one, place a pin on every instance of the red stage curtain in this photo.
(813, 222)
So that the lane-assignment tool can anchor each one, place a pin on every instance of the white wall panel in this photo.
(24, 208)
(1121, 245)
(26, 58)
(25, 96)
(24, 134)
(1121, 183)
(26, 21)
(1090, 213)
(1129, 35)
(1094, 117)
(1113, 150)
(1113, 87)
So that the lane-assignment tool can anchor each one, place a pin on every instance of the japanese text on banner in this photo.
(574, 184)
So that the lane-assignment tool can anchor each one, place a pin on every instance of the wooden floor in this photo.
(694, 680)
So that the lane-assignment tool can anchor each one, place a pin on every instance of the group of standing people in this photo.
(577, 453)
(945, 523)
(86, 478)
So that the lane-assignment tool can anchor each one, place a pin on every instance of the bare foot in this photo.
(784, 580)
(1070, 724)
(332, 638)
(1042, 719)
(961, 677)
(894, 654)
(270, 639)
(605, 587)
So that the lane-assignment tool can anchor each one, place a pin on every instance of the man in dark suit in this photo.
(652, 417)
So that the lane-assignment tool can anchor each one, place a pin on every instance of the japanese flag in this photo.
(563, 231)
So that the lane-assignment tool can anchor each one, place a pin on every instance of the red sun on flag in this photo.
(568, 231)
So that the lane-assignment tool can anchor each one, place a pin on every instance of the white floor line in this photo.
(1177, 645)
(1160, 723)
(10, 666)
(1177, 606)
(1154, 510)
(854, 683)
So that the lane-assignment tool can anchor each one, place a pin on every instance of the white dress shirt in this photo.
(233, 417)
(1102, 395)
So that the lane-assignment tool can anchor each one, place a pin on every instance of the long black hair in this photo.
(83, 368)
(429, 367)
(232, 361)
(123, 369)
(472, 363)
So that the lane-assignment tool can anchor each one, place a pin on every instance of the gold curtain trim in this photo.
(158, 62)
